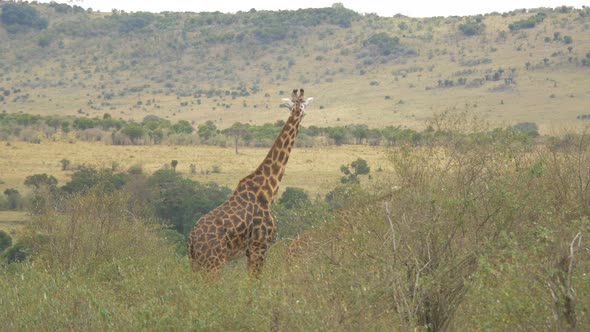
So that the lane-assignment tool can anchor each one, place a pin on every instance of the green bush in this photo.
(293, 197)
(40, 180)
(86, 178)
(13, 199)
(471, 28)
(207, 130)
(17, 253)
(134, 21)
(18, 15)
(91, 229)
(359, 167)
(384, 43)
(5, 240)
(134, 131)
(183, 127)
(528, 23)
(180, 202)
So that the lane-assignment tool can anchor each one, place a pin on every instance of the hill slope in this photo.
(362, 69)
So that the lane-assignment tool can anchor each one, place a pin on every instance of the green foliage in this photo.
(16, 253)
(207, 130)
(294, 220)
(268, 27)
(384, 43)
(338, 134)
(238, 131)
(180, 201)
(341, 196)
(134, 21)
(154, 130)
(5, 240)
(293, 198)
(41, 180)
(134, 131)
(90, 230)
(20, 15)
(183, 127)
(528, 128)
(528, 23)
(85, 123)
(44, 40)
(64, 8)
(472, 28)
(86, 178)
(359, 167)
(13, 199)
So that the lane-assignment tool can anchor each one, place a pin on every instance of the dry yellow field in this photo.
(316, 170)
(12, 221)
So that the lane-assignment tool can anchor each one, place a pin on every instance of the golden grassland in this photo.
(316, 170)
(12, 221)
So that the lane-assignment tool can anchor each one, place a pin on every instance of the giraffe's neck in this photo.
(264, 181)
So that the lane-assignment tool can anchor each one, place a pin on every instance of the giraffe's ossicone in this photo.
(243, 225)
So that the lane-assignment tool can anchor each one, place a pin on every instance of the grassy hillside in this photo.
(522, 66)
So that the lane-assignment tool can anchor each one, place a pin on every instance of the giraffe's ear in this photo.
(286, 103)
(308, 101)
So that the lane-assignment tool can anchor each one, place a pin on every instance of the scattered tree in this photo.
(359, 167)
(41, 180)
(65, 164)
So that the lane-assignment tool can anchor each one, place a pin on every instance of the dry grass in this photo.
(12, 221)
(314, 169)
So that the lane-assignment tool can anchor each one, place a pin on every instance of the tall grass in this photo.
(483, 232)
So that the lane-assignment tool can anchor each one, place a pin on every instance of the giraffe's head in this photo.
(297, 104)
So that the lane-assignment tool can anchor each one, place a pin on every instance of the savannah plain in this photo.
(470, 224)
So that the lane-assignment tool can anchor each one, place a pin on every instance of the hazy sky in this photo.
(413, 8)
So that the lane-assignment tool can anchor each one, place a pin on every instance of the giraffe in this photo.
(243, 225)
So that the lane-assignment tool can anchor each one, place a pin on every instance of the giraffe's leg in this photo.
(256, 255)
